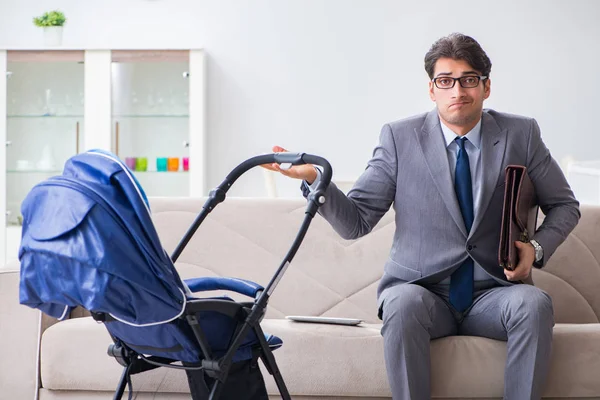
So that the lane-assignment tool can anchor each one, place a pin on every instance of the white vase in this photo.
(53, 35)
(46, 162)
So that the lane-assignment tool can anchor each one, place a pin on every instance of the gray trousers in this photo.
(522, 315)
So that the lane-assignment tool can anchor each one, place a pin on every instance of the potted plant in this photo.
(52, 22)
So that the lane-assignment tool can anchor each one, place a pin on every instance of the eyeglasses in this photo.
(447, 82)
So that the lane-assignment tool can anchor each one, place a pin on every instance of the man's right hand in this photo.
(305, 172)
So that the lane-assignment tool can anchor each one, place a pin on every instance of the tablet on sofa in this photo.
(325, 320)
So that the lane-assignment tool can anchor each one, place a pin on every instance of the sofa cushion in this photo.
(336, 360)
(73, 357)
(332, 360)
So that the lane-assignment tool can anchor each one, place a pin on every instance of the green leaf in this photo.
(50, 18)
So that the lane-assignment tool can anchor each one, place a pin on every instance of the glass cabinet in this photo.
(142, 105)
(44, 124)
(150, 118)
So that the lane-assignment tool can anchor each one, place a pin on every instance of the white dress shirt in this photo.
(473, 148)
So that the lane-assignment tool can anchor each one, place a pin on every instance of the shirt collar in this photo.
(474, 135)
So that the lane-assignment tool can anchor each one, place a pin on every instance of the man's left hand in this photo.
(526, 259)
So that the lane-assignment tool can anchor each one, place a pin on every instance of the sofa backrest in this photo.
(329, 276)
(572, 275)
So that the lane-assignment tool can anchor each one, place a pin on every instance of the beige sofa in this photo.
(330, 277)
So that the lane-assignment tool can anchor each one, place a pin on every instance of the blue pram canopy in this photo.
(88, 240)
(103, 252)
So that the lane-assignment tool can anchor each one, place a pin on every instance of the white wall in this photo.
(323, 76)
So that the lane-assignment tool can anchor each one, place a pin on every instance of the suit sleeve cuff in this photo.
(306, 188)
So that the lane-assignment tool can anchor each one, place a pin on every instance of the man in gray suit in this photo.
(443, 172)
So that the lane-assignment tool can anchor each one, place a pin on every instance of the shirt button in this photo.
(469, 247)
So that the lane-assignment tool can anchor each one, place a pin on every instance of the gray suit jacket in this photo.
(410, 170)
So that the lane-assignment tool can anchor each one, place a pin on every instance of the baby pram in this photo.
(88, 240)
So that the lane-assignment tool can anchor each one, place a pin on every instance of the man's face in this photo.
(458, 106)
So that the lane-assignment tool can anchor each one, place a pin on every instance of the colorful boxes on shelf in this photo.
(161, 164)
(171, 164)
(141, 164)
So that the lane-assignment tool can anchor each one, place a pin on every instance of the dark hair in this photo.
(458, 47)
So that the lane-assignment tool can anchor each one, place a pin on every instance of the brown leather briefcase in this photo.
(519, 214)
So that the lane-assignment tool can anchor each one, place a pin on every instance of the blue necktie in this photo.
(461, 281)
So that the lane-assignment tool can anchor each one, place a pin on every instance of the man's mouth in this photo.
(459, 104)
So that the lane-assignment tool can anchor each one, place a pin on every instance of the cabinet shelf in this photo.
(43, 116)
(34, 171)
(161, 172)
(46, 171)
(129, 116)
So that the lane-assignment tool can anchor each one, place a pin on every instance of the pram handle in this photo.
(281, 158)
(315, 199)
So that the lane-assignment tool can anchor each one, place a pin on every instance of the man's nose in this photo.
(457, 90)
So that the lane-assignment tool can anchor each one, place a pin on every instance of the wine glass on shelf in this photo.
(150, 102)
(48, 110)
(186, 103)
(68, 105)
(12, 106)
(172, 102)
(160, 102)
(134, 103)
(40, 107)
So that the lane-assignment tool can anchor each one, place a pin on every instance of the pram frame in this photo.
(249, 314)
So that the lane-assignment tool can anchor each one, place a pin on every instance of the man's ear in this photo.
(431, 93)
(487, 88)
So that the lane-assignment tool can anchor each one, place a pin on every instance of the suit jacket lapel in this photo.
(493, 145)
(432, 144)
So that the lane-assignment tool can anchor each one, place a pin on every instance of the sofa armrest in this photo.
(19, 339)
